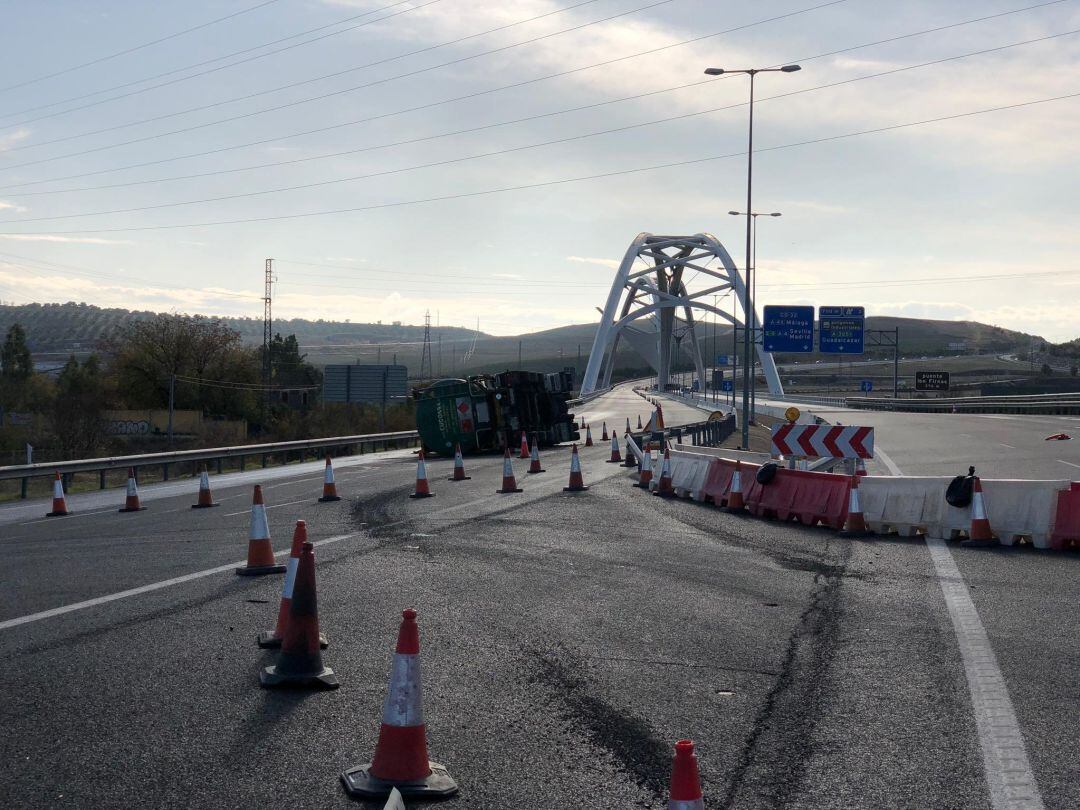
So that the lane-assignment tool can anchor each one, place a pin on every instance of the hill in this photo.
(77, 327)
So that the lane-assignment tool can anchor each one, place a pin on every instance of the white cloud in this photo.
(11, 139)
(10, 206)
(72, 240)
(611, 263)
(505, 275)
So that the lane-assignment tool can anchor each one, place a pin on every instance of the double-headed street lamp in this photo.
(751, 72)
(753, 300)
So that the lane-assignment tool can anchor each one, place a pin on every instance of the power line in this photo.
(482, 93)
(135, 48)
(526, 147)
(552, 183)
(292, 85)
(207, 62)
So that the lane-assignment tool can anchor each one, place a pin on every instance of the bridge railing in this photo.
(217, 455)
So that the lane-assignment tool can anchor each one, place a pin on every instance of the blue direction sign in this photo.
(867, 386)
(840, 330)
(727, 385)
(721, 359)
(788, 329)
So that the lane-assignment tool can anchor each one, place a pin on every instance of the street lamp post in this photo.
(747, 316)
(753, 302)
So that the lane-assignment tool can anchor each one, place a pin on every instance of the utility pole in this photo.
(425, 356)
(519, 355)
(268, 325)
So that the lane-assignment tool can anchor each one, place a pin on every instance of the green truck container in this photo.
(488, 412)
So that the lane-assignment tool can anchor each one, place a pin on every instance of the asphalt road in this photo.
(568, 640)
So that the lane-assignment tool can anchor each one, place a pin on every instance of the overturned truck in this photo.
(488, 412)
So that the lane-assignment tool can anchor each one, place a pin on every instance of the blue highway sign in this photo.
(721, 360)
(840, 330)
(867, 386)
(727, 386)
(788, 329)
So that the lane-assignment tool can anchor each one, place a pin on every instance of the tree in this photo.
(77, 409)
(15, 361)
(1046, 371)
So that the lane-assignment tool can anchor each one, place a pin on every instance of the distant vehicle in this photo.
(488, 412)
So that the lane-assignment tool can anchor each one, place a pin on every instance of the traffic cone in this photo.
(860, 467)
(329, 488)
(639, 427)
(735, 502)
(630, 460)
(663, 487)
(272, 638)
(577, 484)
(685, 782)
(604, 435)
(300, 662)
(616, 456)
(659, 417)
(59, 502)
(588, 436)
(534, 460)
(131, 503)
(260, 559)
(459, 466)
(855, 524)
(980, 533)
(524, 446)
(206, 498)
(401, 755)
(422, 489)
(645, 474)
(627, 425)
(509, 484)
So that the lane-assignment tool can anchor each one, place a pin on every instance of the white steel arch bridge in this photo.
(647, 295)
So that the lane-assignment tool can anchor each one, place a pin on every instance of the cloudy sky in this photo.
(492, 159)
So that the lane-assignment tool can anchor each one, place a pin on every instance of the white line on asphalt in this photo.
(1008, 773)
(275, 506)
(1062, 461)
(1007, 445)
(888, 462)
(67, 517)
(154, 586)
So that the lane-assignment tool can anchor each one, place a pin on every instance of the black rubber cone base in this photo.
(464, 478)
(136, 509)
(422, 495)
(259, 570)
(646, 485)
(359, 783)
(742, 510)
(575, 489)
(614, 461)
(508, 491)
(535, 472)
(270, 678)
(57, 514)
(668, 494)
(204, 505)
(329, 498)
(269, 641)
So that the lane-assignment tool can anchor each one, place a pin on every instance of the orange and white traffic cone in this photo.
(422, 488)
(588, 436)
(627, 425)
(664, 487)
(577, 483)
(300, 660)
(206, 497)
(271, 639)
(855, 524)
(639, 427)
(509, 483)
(735, 502)
(524, 446)
(616, 456)
(645, 474)
(401, 755)
(459, 466)
(260, 559)
(604, 435)
(131, 502)
(630, 460)
(980, 533)
(685, 781)
(59, 502)
(329, 487)
(860, 467)
(659, 417)
(534, 459)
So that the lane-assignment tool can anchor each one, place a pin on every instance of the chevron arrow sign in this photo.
(823, 441)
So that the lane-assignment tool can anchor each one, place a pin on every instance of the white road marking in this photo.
(1008, 773)
(154, 586)
(888, 462)
(275, 506)
(1007, 445)
(1062, 461)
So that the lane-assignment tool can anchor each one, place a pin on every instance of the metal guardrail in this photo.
(216, 454)
(1060, 404)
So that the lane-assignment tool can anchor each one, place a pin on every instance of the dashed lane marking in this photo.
(273, 506)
